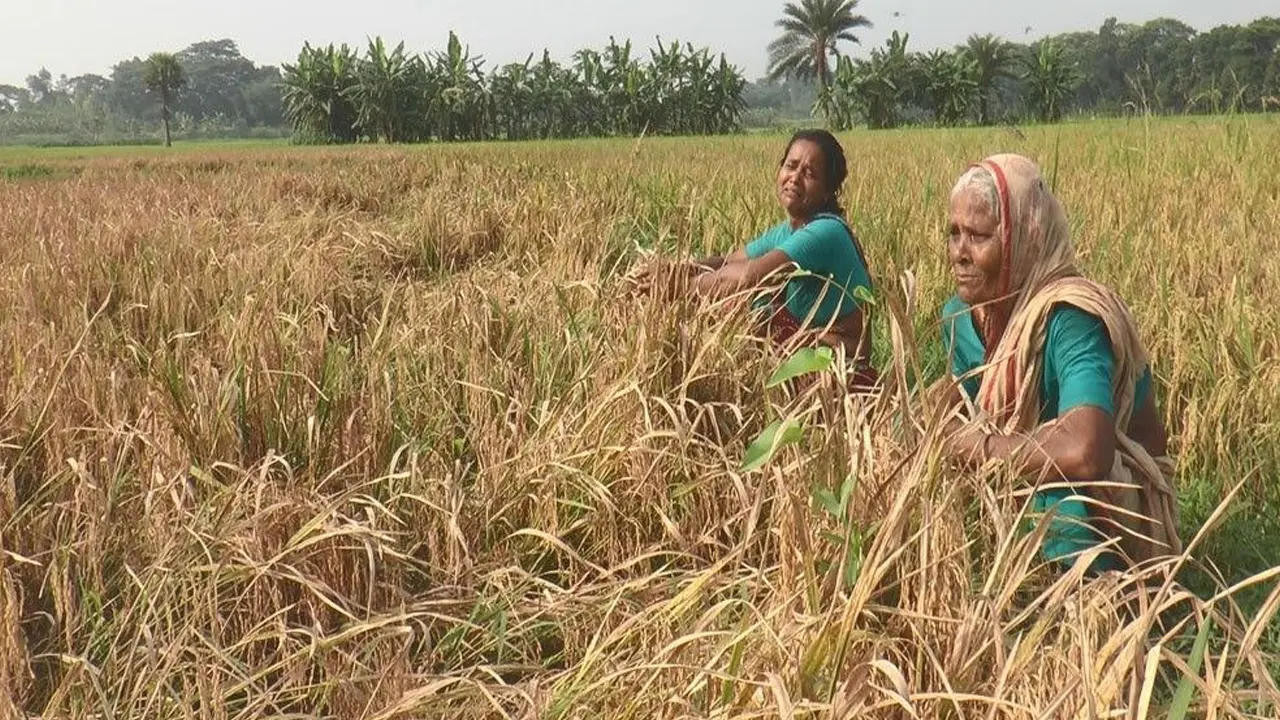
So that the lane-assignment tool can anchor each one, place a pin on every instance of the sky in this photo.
(89, 36)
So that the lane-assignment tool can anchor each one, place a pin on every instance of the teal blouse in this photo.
(1078, 371)
(825, 248)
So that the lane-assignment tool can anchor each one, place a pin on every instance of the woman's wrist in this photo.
(987, 453)
(713, 262)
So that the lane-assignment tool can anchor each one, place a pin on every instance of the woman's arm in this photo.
(734, 275)
(715, 262)
(1079, 447)
(641, 279)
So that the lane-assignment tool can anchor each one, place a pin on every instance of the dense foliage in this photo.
(342, 94)
(225, 95)
(334, 94)
(1163, 67)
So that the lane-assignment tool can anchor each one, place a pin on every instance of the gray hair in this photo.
(980, 180)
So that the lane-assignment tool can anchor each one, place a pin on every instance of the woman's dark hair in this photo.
(837, 169)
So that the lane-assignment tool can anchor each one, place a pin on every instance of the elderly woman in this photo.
(1054, 362)
(820, 302)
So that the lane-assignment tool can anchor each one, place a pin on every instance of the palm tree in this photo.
(813, 28)
(994, 58)
(163, 75)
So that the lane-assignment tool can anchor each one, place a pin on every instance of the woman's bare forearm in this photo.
(715, 262)
(1079, 447)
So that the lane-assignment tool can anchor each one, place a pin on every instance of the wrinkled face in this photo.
(974, 247)
(802, 185)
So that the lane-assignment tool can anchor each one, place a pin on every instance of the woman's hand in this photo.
(967, 443)
(639, 279)
(674, 278)
(737, 276)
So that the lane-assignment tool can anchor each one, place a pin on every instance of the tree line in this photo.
(339, 94)
(333, 94)
(222, 94)
(1161, 66)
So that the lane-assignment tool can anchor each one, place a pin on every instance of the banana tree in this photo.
(390, 96)
(385, 91)
(729, 85)
(512, 99)
(591, 92)
(553, 96)
(317, 92)
(950, 81)
(1050, 81)
(461, 105)
(621, 76)
(874, 86)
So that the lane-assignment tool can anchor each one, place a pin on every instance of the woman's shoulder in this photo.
(829, 223)
(768, 239)
(1072, 320)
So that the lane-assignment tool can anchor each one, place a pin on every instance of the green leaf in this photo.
(853, 560)
(805, 360)
(846, 492)
(863, 294)
(774, 437)
(828, 501)
(834, 539)
(1182, 696)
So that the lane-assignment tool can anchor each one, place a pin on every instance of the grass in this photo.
(19, 153)
(27, 171)
(373, 432)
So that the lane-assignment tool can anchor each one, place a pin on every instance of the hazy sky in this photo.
(88, 36)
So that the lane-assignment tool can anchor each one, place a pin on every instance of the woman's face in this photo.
(802, 185)
(974, 247)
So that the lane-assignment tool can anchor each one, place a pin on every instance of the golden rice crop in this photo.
(375, 433)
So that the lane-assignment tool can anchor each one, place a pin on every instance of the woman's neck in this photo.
(990, 320)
